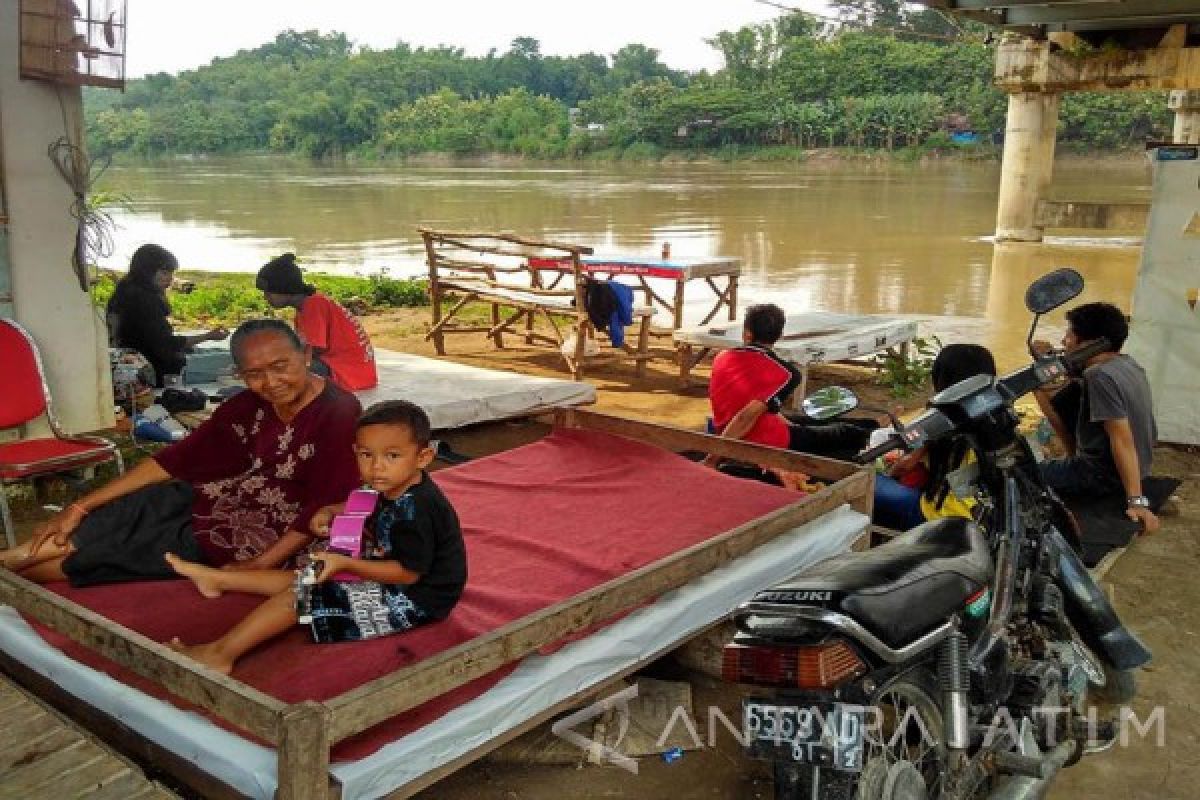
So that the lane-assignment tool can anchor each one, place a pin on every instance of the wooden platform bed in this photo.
(304, 730)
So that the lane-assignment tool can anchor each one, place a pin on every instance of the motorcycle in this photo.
(956, 660)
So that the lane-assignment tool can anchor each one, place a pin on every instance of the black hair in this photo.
(281, 275)
(957, 362)
(954, 363)
(765, 323)
(1094, 320)
(255, 326)
(398, 412)
(147, 260)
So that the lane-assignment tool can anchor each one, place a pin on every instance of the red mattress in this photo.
(542, 523)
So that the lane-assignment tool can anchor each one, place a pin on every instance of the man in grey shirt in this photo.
(1105, 417)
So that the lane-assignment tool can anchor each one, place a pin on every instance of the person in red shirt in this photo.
(750, 385)
(340, 346)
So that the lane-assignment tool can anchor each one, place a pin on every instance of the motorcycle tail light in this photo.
(817, 666)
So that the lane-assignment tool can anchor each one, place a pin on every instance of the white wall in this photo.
(47, 299)
(1165, 334)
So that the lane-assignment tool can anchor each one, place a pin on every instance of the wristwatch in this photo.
(1138, 501)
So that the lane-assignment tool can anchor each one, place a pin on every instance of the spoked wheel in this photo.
(904, 753)
(905, 750)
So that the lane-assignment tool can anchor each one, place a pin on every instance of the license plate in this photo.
(824, 736)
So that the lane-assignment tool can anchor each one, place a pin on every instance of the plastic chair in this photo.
(26, 398)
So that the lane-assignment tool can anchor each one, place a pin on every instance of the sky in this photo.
(170, 35)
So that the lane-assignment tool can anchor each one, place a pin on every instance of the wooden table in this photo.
(680, 270)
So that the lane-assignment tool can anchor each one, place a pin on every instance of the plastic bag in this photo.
(132, 375)
(590, 348)
(157, 425)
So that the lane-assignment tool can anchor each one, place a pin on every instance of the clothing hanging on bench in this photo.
(610, 308)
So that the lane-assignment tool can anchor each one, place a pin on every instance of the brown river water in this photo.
(868, 238)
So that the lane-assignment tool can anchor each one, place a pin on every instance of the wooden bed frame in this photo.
(304, 732)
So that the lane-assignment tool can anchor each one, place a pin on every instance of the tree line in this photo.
(798, 82)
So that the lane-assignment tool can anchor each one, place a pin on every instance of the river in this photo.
(840, 236)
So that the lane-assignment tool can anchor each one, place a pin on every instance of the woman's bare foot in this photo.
(198, 574)
(16, 558)
(206, 654)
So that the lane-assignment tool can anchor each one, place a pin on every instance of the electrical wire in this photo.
(94, 235)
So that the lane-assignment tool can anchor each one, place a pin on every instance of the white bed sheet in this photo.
(455, 395)
(815, 336)
(538, 683)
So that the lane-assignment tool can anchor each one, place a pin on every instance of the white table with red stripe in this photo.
(712, 270)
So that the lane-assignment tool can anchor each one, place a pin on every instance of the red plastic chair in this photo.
(24, 399)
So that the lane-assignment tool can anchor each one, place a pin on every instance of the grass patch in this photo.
(229, 298)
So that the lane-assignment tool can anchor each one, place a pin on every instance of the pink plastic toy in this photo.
(346, 530)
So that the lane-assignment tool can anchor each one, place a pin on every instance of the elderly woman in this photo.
(138, 311)
(238, 492)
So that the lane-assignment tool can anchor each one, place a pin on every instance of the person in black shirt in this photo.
(411, 572)
(138, 311)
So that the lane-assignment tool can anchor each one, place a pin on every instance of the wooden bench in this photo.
(494, 268)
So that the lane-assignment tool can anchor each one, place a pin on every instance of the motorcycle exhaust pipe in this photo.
(1023, 787)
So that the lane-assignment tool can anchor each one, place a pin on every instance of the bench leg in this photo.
(304, 753)
(643, 347)
(497, 337)
(582, 329)
(677, 321)
(439, 338)
(683, 353)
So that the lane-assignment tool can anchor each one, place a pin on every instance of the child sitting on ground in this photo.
(917, 487)
(413, 567)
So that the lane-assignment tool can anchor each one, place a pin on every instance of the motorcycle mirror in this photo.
(1052, 290)
(830, 402)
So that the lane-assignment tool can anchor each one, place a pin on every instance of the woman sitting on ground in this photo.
(341, 348)
(138, 311)
(238, 492)
(916, 488)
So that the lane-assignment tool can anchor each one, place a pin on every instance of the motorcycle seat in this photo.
(907, 587)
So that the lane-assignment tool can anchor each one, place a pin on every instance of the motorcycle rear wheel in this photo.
(904, 756)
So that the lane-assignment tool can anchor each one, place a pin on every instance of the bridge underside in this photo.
(1079, 46)
(1125, 23)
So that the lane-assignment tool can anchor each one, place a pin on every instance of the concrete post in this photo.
(1050, 105)
(1029, 141)
(1186, 105)
(46, 297)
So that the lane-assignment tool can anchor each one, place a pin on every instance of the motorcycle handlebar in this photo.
(893, 442)
(933, 424)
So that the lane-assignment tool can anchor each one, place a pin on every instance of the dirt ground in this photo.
(1153, 585)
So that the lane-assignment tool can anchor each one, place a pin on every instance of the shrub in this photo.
(905, 375)
(229, 299)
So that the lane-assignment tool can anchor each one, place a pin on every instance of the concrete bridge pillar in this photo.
(1186, 105)
(1029, 141)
